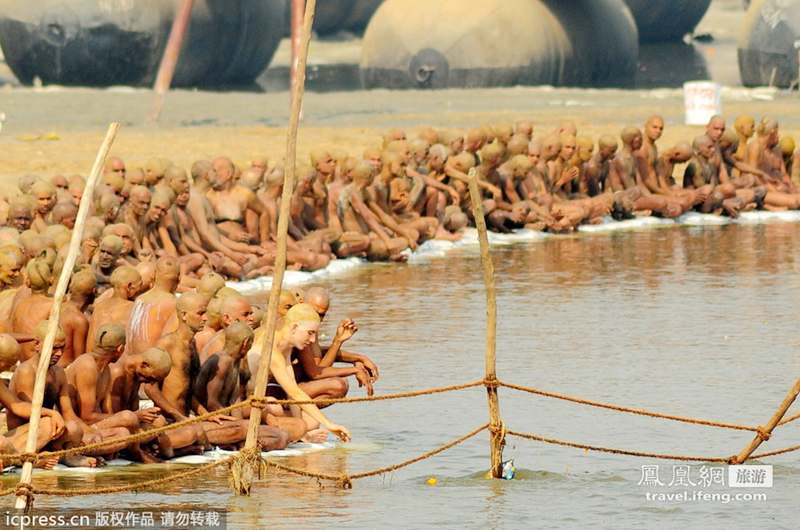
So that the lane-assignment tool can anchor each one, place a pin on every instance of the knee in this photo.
(73, 430)
(129, 420)
(341, 386)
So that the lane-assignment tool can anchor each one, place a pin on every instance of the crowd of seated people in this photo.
(159, 231)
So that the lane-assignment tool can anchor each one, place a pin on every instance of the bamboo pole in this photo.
(55, 312)
(763, 435)
(496, 436)
(170, 59)
(297, 39)
(243, 469)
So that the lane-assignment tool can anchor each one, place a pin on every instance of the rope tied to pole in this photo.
(28, 457)
(491, 382)
(25, 489)
(259, 402)
(763, 433)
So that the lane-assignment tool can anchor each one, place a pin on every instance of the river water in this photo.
(698, 322)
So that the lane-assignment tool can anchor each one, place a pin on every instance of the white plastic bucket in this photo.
(703, 99)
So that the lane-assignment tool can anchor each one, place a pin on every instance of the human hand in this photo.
(347, 328)
(219, 418)
(239, 258)
(454, 195)
(148, 415)
(363, 378)
(340, 431)
(58, 425)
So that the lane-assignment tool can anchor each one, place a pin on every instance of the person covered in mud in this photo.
(230, 201)
(176, 395)
(31, 310)
(153, 309)
(20, 216)
(781, 194)
(126, 284)
(106, 260)
(356, 216)
(298, 330)
(315, 372)
(51, 425)
(241, 258)
(127, 376)
(45, 195)
(646, 159)
(56, 397)
(233, 308)
(624, 175)
(89, 379)
(132, 213)
(706, 168)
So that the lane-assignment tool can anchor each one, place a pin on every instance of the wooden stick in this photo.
(496, 437)
(243, 484)
(773, 422)
(297, 39)
(170, 59)
(55, 312)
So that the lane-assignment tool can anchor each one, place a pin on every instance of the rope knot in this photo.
(258, 402)
(28, 457)
(763, 433)
(491, 383)
(25, 490)
(344, 483)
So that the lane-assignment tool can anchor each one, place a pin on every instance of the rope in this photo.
(626, 409)
(773, 453)
(345, 481)
(259, 402)
(787, 420)
(148, 484)
(615, 451)
(763, 434)
(25, 490)
(150, 434)
(375, 398)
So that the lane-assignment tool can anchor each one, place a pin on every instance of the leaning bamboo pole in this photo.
(25, 501)
(765, 432)
(496, 435)
(244, 470)
(170, 59)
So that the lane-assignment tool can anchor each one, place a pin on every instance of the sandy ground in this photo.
(200, 124)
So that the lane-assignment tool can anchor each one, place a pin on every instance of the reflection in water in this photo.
(690, 321)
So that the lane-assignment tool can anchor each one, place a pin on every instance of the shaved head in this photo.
(109, 337)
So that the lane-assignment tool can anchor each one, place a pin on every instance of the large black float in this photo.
(666, 20)
(485, 43)
(769, 43)
(120, 42)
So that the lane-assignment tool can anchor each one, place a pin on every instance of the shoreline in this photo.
(435, 248)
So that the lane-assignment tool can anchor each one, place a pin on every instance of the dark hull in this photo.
(500, 43)
(333, 16)
(667, 20)
(768, 49)
(120, 42)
